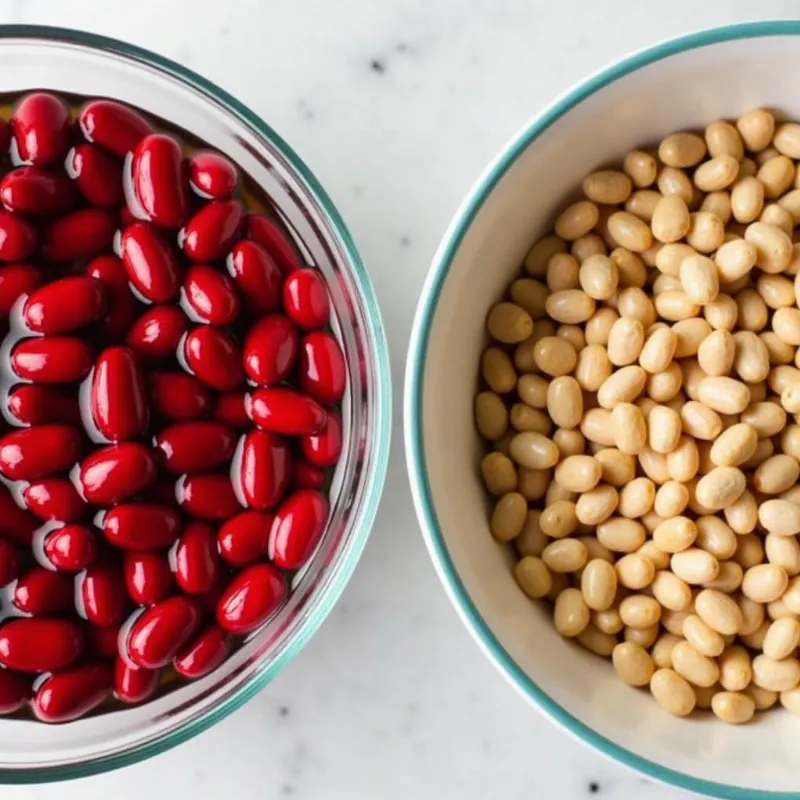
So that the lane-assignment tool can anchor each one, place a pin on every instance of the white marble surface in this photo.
(396, 104)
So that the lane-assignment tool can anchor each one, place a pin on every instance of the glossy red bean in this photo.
(286, 411)
(212, 175)
(322, 371)
(16, 280)
(55, 499)
(98, 177)
(298, 526)
(156, 334)
(257, 276)
(162, 631)
(15, 690)
(270, 349)
(203, 654)
(231, 408)
(116, 473)
(40, 644)
(102, 594)
(71, 694)
(10, 562)
(196, 560)
(141, 526)
(78, 236)
(264, 470)
(148, 577)
(195, 446)
(121, 306)
(305, 299)
(211, 295)
(150, 262)
(178, 396)
(34, 453)
(36, 192)
(41, 128)
(42, 591)
(71, 548)
(103, 642)
(53, 360)
(268, 232)
(208, 496)
(65, 305)
(33, 404)
(118, 398)
(306, 476)
(214, 357)
(114, 126)
(159, 180)
(17, 237)
(212, 230)
(324, 448)
(16, 524)
(134, 684)
(251, 598)
(242, 540)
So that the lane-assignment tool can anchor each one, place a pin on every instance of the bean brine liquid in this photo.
(169, 392)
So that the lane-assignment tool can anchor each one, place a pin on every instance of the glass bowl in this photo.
(77, 63)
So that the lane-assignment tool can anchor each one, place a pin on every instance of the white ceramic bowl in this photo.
(682, 84)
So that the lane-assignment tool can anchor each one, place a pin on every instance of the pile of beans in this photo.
(170, 395)
(642, 405)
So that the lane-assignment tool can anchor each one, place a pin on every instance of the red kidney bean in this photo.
(162, 631)
(322, 371)
(257, 276)
(71, 548)
(150, 262)
(306, 476)
(148, 577)
(141, 526)
(110, 270)
(16, 523)
(242, 540)
(159, 180)
(324, 448)
(212, 175)
(33, 453)
(42, 591)
(15, 690)
(40, 644)
(265, 469)
(269, 234)
(213, 229)
(115, 127)
(71, 694)
(16, 280)
(214, 358)
(251, 598)
(297, 528)
(103, 642)
(305, 299)
(41, 128)
(195, 446)
(204, 654)
(52, 359)
(270, 349)
(103, 596)
(286, 411)
(10, 562)
(32, 404)
(118, 398)
(157, 333)
(79, 235)
(231, 408)
(65, 305)
(116, 473)
(196, 561)
(134, 684)
(35, 191)
(17, 237)
(208, 496)
(178, 396)
(211, 295)
(55, 499)
(98, 177)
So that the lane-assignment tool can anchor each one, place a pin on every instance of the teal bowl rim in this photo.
(414, 390)
(382, 410)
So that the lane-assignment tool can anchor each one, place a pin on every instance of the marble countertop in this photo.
(396, 105)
